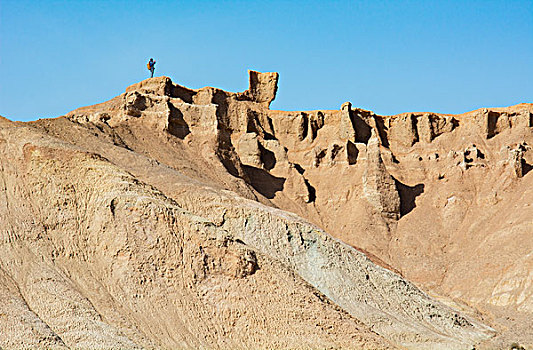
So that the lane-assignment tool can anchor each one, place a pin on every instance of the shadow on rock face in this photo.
(268, 158)
(362, 129)
(526, 168)
(352, 152)
(176, 124)
(263, 182)
(312, 191)
(408, 196)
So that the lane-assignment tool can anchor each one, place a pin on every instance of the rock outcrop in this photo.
(176, 218)
(263, 87)
(378, 185)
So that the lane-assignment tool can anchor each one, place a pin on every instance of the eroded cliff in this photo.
(171, 217)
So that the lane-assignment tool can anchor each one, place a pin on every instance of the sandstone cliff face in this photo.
(182, 218)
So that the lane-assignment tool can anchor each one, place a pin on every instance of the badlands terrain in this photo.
(173, 218)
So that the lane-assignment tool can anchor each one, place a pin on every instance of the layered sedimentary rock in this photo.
(178, 218)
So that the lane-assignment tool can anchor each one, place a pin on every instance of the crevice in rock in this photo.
(176, 123)
(316, 123)
(351, 153)
(408, 196)
(382, 132)
(319, 156)
(263, 182)
(526, 168)
(268, 158)
(311, 190)
(492, 120)
(299, 169)
(362, 129)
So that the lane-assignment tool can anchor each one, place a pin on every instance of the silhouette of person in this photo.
(151, 66)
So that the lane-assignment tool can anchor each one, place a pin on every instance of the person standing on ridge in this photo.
(151, 66)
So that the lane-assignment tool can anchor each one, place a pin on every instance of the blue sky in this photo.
(386, 56)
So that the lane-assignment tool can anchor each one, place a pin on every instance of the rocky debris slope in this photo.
(104, 259)
(162, 204)
(93, 257)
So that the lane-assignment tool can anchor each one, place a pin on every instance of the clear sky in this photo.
(387, 56)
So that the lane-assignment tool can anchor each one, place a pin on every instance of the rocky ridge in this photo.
(167, 203)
